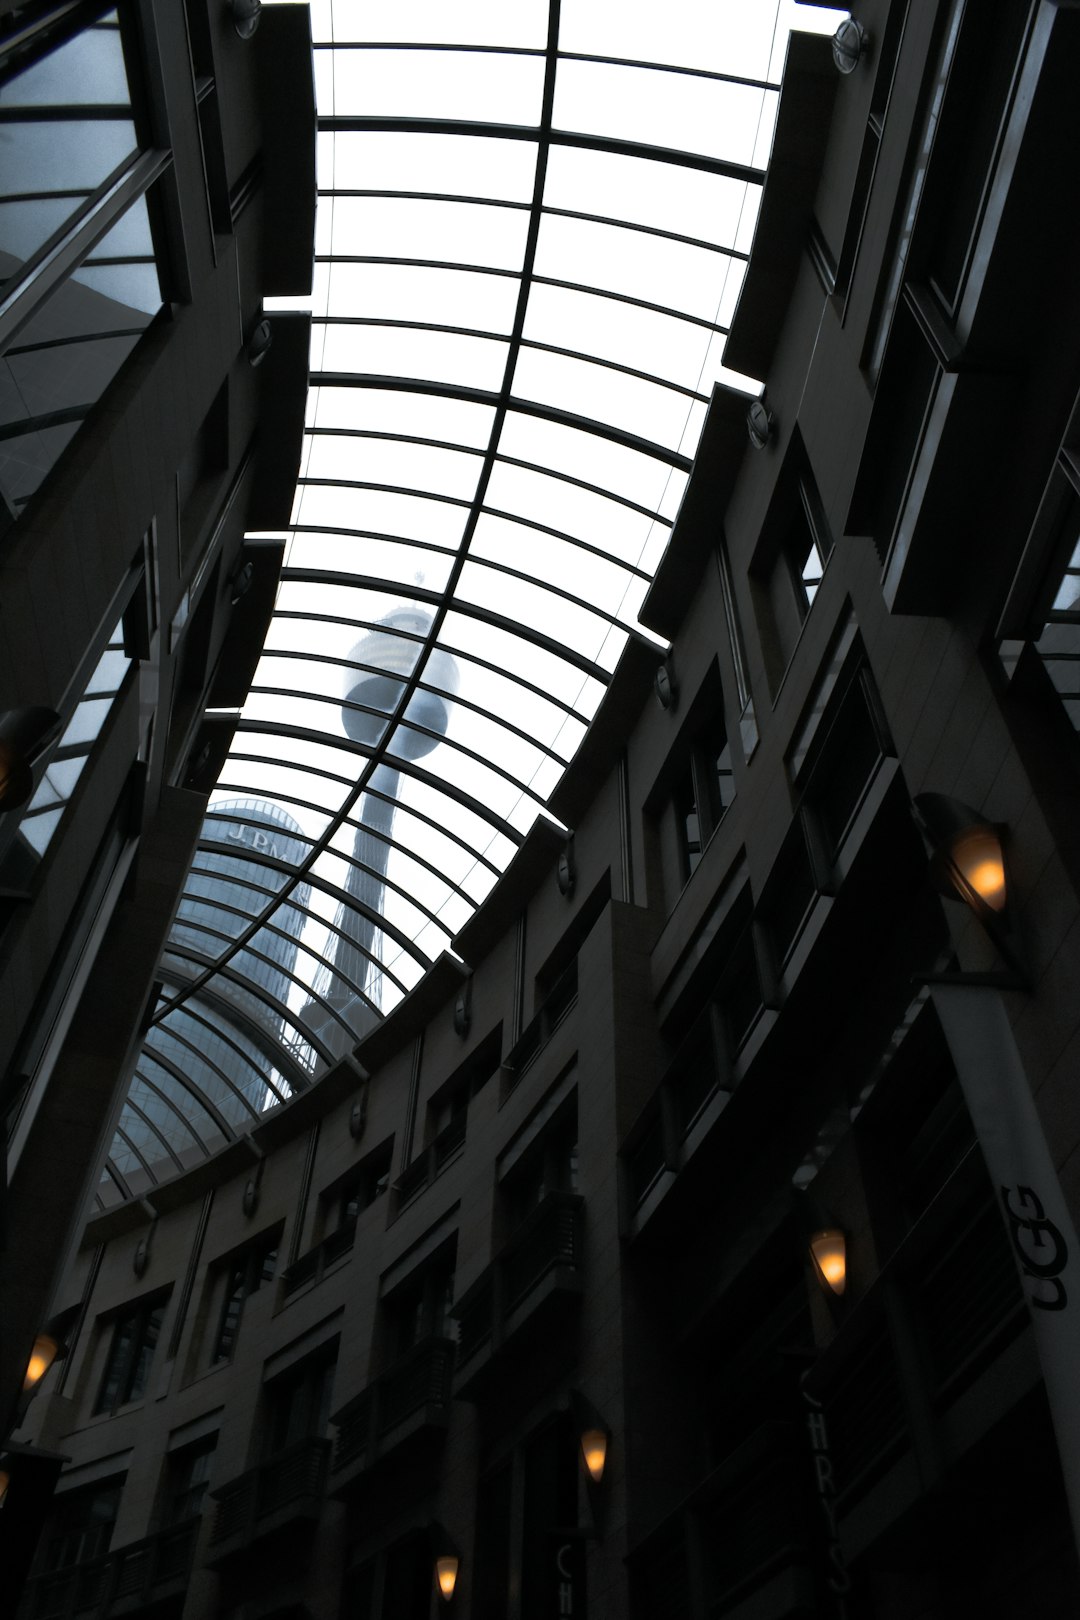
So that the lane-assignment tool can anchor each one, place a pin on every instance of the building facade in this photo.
(738, 1136)
(153, 196)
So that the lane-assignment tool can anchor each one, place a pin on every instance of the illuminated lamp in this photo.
(828, 1250)
(447, 1561)
(45, 1351)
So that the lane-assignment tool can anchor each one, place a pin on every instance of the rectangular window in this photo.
(299, 1405)
(789, 561)
(46, 809)
(131, 1353)
(420, 1308)
(188, 1481)
(79, 265)
(247, 1272)
(81, 1526)
(704, 789)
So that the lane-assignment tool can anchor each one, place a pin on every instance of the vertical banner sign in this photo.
(565, 1576)
(836, 1577)
(1029, 1195)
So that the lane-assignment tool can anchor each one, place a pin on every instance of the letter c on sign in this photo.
(559, 1556)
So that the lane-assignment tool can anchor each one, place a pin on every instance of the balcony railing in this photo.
(419, 1383)
(288, 1486)
(126, 1581)
(536, 1034)
(309, 1267)
(547, 1243)
(431, 1163)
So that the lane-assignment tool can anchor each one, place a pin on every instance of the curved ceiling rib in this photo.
(533, 225)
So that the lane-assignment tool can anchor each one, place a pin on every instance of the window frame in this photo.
(122, 1361)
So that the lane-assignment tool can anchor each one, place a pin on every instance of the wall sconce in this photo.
(594, 1444)
(850, 44)
(666, 686)
(828, 1250)
(245, 16)
(967, 862)
(45, 1351)
(594, 1437)
(760, 424)
(259, 344)
(25, 734)
(447, 1562)
(566, 869)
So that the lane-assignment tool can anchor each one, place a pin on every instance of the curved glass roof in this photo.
(533, 226)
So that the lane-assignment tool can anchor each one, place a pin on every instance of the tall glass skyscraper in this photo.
(214, 1064)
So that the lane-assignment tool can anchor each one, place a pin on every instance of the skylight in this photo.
(533, 226)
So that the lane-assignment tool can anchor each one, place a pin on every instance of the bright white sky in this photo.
(651, 303)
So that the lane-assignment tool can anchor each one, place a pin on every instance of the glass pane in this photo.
(587, 456)
(405, 228)
(382, 351)
(384, 410)
(392, 461)
(478, 87)
(470, 22)
(660, 344)
(459, 165)
(679, 111)
(61, 160)
(435, 296)
(655, 269)
(380, 512)
(617, 529)
(645, 409)
(664, 196)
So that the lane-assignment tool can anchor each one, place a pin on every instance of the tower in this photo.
(379, 666)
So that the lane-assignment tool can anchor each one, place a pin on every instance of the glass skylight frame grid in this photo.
(331, 808)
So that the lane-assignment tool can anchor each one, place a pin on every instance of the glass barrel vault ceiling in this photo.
(533, 226)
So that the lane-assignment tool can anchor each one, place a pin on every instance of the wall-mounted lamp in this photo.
(850, 44)
(666, 686)
(594, 1444)
(463, 1010)
(245, 16)
(447, 1562)
(24, 736)
(259, 344)
(594, 1438)
(967, 862)
(566, 870)
(828, 1250)
(45, 1351)
(760, 424)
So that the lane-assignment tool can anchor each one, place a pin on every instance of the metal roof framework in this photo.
(504, 407)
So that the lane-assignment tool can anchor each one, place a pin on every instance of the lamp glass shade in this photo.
(42, 1357)
(446, 1573)
(594, 1450)
(977, 856)
(829, 1252)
